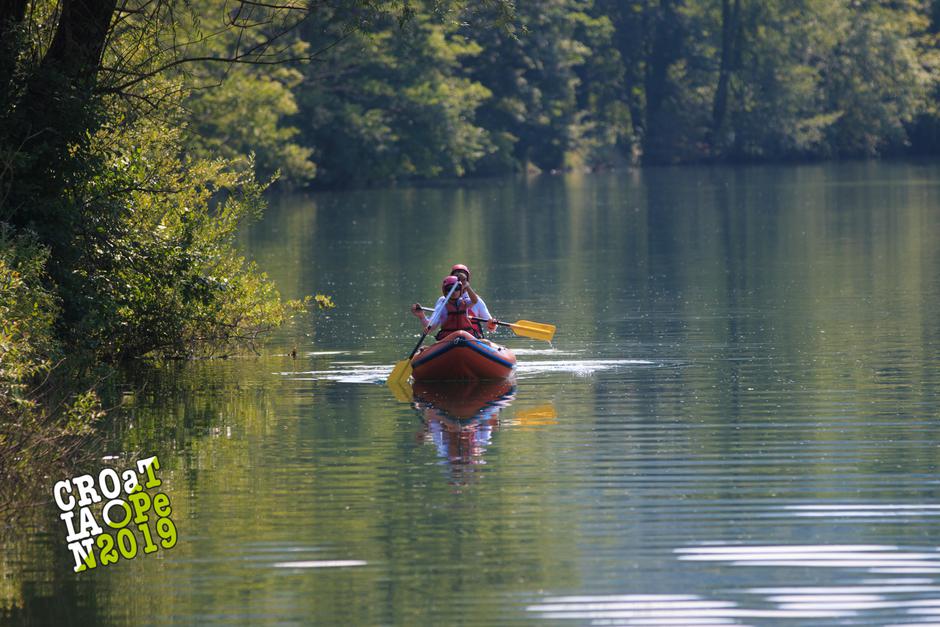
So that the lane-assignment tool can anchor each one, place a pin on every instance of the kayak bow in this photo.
(460, 356)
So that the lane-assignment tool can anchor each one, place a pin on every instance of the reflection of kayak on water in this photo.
(460, 356)
(460, 417)
(461, 401)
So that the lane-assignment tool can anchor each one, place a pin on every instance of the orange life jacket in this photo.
(456, 320)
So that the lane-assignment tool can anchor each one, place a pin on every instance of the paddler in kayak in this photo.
(477, 306)
(452, 316)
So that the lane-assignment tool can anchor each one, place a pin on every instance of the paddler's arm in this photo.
(418, 313)
(436, 318)
(480, 311)
(469, 290)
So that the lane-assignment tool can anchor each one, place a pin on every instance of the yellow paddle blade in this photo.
(401, 390)
(535, 330)
(400, 372)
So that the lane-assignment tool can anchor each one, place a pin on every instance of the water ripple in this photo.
(357, 372)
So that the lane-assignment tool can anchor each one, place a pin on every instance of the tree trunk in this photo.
(730, 42)
(661, 55)
(80, 38)
(54, 111)
(664, 50)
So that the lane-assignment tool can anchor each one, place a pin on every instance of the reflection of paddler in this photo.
(463, 445)
(460, 417)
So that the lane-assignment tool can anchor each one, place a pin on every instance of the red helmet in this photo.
(448, 283)
(460, 266)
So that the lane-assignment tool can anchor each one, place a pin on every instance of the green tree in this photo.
(246, 115)
(880, 76)
(390, 101)
(243, 109)
(556, 83)
(739, 79)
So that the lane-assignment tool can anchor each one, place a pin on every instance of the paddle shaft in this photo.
(418, 345)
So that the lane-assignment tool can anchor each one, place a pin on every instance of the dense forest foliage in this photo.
(586, 83)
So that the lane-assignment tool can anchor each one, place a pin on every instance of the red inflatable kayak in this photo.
(462, 356)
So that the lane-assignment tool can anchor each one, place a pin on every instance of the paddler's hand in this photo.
(416, 310)
(491, 324)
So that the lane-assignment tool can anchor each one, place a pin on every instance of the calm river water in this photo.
(737, 422)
